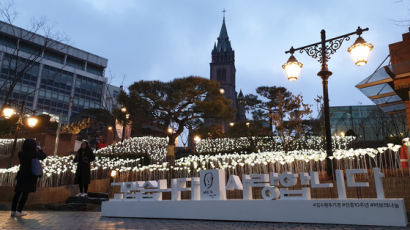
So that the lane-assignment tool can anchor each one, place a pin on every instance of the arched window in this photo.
(221, 74)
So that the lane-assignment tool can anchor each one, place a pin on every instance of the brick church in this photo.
(223, 71)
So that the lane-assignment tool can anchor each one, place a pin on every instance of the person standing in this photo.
(83, 158)
(26, 180)
(404, 155)
(101, 143)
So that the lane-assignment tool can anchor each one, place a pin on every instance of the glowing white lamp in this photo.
(32, 121)
(8, 112)
(292, 68)
(360, 51)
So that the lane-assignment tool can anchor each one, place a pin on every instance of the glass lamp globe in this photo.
(360, 51)
(197, 139)
(113, 173)
(32, 122)
(292, 68)
(222, 91)
(8, 112)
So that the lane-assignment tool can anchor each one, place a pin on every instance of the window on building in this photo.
(8, 41)
(54, 56)
(94, 69)
(75, 63)
(221, 75)
(30, 48)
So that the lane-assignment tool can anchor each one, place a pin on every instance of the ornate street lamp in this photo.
(127, 116)
(8, 112)
(32, 121)
(292, 68)
(360, 51)
(321, 51)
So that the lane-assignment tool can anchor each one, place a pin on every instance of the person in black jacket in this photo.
(82, 176)
(26, 181)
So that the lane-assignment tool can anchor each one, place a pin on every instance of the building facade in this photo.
(367, 122)
(51, 76)
(222, 70)
(389, 86)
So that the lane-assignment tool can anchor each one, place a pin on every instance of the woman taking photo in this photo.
(26, 180)
(82, 176)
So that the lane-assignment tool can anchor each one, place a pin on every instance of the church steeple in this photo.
(223, 64)
(222, 53)
(224, 45)
(223, 69)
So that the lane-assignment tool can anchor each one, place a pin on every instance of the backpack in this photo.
(36, 167)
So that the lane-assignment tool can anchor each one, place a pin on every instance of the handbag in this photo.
(36, 167)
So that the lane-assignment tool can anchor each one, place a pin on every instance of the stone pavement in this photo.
(93, 220)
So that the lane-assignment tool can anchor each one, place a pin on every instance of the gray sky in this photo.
(162, 40)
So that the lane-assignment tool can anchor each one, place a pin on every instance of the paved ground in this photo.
(92, 220)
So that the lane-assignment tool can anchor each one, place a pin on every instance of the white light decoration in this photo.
(153, 147)
(271, 157)
(222, 91)
(292, 68)
(360, 51)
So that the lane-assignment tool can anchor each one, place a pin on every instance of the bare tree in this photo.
(24, 48)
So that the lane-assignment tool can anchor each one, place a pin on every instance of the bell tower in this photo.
(223, 64)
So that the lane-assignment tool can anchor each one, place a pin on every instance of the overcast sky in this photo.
(163, 40)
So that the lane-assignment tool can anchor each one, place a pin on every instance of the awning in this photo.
(378, 87)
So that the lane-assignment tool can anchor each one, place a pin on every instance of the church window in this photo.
(221, 74)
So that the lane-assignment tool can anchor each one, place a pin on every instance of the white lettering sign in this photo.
(211, 185)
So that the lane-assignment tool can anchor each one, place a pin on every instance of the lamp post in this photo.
(321, 51)
(60, 117)
(31, 121)
(126, 116)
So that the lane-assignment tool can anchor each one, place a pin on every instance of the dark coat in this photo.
(26, 181)
(83, 159)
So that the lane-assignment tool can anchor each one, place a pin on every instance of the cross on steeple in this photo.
(223, 11)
